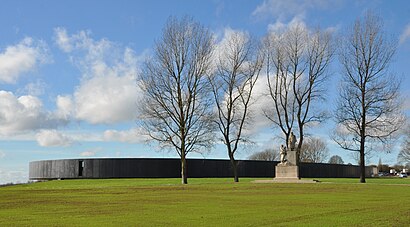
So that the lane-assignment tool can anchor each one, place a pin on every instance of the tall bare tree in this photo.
(314, 150)
(297, 65)
(280, 84)
(237, 69)
(309, 81)
(368, 109)
(177, 99)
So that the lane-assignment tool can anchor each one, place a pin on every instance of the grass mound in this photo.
(206, 202)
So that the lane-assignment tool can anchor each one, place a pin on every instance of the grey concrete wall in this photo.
(171, 168)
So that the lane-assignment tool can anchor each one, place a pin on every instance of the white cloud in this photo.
(53, 138)
(2, 154)
(108, 92)
(65, 106)
(108, 99)
(91, 152)
(62, 39)
(284, 10)
(24, 113)
(13, 176)
(22, 58)
(261, 101)
(134, 135)
(405, 35)
(35, 88)
(279, 26)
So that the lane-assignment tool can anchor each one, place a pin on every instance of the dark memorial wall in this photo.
(171, 168)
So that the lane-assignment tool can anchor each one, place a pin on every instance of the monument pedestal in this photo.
(288, 170)
(284, 172)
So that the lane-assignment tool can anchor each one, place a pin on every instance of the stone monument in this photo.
(287, 169)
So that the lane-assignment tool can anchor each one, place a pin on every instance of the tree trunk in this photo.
(234, 164)
(299, 147)
(184, 176)
(300, 143)
(362, 160)
(363, 138)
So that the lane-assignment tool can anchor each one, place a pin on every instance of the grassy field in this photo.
(206, 202)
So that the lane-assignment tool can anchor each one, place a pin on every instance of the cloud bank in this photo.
(21, 58)
(134, 135)
(405, 35)
(283, 10)
(108, 93)
(53, 138)
(25, 113)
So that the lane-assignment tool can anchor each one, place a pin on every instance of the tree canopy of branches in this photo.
(238, 66)
(314, 150)
(297, 62)
(368, 109)
(404, 154)
(336, 159)
(176, 107)
(265, 155)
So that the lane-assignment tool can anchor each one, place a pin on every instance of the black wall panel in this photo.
(171, 168)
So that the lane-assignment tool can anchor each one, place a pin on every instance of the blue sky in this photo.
(68, 70)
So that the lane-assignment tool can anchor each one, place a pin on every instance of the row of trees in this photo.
(193, 87)
(313, 150)
(317, 156)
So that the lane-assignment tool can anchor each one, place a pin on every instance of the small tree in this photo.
(336, 159)
(314, 150)
(177, 101)
(238, 66)
(265, 155)
(380, 165)
(368, 113)
(383, 167)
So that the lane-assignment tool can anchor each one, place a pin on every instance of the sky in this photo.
(68, 70)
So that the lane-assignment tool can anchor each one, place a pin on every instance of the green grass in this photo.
(206, 202)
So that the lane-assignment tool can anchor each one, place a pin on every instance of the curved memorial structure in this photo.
(171, 168)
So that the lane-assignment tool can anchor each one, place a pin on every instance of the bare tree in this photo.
(336, 159)
(177, 101)
(265, 155)
(297, 65)
(309, 82)
(404, 154)
(237, 69)
(280, 84)
(314, 150)
(368, 110)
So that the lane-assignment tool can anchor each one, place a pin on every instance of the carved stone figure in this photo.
(292, 141)
(282, 154)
